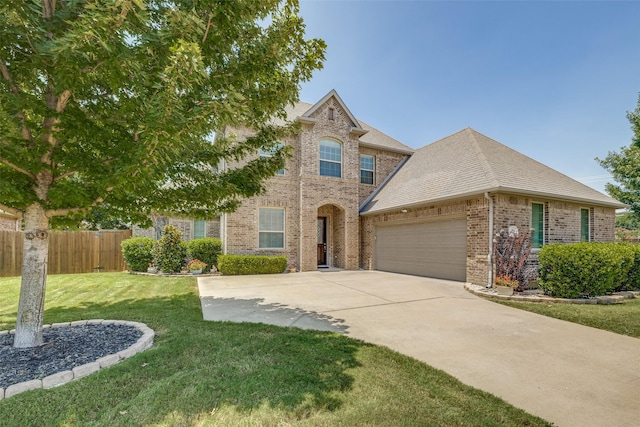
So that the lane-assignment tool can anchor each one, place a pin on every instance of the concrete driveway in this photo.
(568, 374)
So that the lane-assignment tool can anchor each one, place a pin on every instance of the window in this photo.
(366, 169)
(331, 110)
(269, 153)
(271, 228)
(330, 158)
(537, 223)
(585, 225)
(199, 228)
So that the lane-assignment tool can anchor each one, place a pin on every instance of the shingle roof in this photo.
(470, 163)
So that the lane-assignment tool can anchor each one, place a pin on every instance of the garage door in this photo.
(432, 249)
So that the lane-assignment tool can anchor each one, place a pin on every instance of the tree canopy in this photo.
(116, 103)
(624, 166)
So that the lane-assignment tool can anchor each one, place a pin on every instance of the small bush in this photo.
(511, 251)
(206, 249)
(251, 264)
(170, 252)
(582, 270)
(137, 252)
(631, 282)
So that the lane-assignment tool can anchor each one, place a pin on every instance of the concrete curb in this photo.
(485, 292)
(60, 378)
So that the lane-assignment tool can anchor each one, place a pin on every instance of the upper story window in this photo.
(537, 223)
(585, 225)
(330, 114)
(367, 169)
(269, 153)
(330, 158)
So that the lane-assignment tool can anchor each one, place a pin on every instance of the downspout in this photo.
(490, 256)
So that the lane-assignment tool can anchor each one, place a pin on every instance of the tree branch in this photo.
(64, 175)
(12, 211)
(62, 212)
(4, 70)
(18, 169)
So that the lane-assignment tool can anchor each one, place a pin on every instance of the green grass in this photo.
(623, 318)
(201, 373)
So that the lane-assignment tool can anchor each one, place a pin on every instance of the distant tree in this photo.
(628, 221)
(625, 168)
(115, 102)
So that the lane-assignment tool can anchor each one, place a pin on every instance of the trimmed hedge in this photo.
(583, 270)
(251, 264)
(206, 249)
(137, 252)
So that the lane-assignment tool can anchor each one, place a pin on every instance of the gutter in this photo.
(490, 255)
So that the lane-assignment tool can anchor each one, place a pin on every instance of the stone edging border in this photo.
(60, 378)
(485, 292)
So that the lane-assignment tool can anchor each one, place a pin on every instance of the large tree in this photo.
(115, 103)
(625, 168)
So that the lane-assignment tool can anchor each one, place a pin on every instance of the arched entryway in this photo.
(330, 243)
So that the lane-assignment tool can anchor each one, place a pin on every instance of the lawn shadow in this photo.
(195, 366)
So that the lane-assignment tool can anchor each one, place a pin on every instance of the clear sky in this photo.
(553, 80)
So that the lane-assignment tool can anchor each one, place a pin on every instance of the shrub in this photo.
(207, 250)
(170, 252)
(511, 251)
(137, 252)
(631, 282)
(251, 264)
(583, 269)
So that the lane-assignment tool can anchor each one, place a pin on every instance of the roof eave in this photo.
(385, 148)
(592, 202)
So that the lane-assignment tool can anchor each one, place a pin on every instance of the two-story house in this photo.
(352, 197)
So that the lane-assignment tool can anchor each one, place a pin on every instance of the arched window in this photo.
(330, 158)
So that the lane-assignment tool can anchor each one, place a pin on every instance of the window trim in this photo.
(588, 224)
(283, 232)
(373, 170)
(328, 160)
(544, 226)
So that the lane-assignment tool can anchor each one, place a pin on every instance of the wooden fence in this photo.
(69, 252)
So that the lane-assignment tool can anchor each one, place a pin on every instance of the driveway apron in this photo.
(568, 374)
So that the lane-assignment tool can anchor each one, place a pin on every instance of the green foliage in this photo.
(251, 264)
(628, 221)
(583, 270)
(206, 249)
(170, 251)
(625, 168)
(103, 103)
(137, 252)
(631, 281)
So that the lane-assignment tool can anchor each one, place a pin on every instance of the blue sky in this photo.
(553, 80)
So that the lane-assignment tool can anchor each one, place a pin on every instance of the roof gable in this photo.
(333, 94)
(469, 163)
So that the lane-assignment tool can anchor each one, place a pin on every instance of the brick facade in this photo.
(8, 222)
(305, 195)
(185, 225)
(562, 225)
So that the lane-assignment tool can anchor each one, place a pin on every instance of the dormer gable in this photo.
(311, 115)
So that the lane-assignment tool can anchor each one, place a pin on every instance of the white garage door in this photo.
(433, 249)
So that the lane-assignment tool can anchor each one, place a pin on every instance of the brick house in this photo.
(9, 222)
(352, 197)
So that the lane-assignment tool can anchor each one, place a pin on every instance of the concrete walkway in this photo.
(568, 374)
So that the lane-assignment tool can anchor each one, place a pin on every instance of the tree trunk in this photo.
(34, 278)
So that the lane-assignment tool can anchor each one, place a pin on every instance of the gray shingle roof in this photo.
(470, 163)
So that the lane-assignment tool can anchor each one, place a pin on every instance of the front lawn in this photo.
(201, 373)
(623, 318)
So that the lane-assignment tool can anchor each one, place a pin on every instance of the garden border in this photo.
(60, 378)
(491, 293)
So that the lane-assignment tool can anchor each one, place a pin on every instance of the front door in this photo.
(322, 241)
